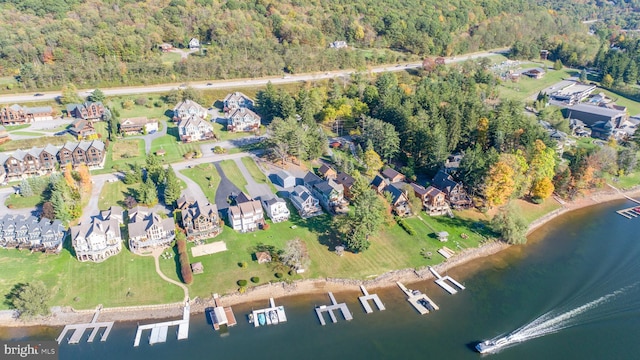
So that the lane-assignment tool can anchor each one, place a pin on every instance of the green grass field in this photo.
(27, 133)
(233, 173)
(36, 142)
(20, 202)
(256, 174)
(11, 128)
(633, 107)
(174, 150)
(527, 87)
(531, 211)
(114, 193)
(169, 58)
(207, 177)
(121, 154)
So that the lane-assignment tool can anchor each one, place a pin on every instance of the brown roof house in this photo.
(454, 191)
(88, 110)
(82, 129)
(392, 175)
(247, 215)
(327, 172)
(16, 114)
(346, 181)
(148, 231)
(138, 125)
(201, 221)
(399, 199)
(433, 200)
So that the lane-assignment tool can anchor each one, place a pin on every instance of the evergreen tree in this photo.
(171, 188)
(148, 193)
(96, 96)
(557, 65)
(25, 188)
(60, 206)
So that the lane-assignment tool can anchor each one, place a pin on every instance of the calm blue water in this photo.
(586, 256)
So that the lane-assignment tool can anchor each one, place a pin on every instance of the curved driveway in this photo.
(225, 189)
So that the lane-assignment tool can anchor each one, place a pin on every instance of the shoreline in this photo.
(66, 315)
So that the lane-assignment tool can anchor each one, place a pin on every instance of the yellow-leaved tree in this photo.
(499, 184)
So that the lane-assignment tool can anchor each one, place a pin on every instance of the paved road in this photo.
(193, 189)
(4, 195)
(237, 83)
(225, 190)
(261, 191)
(92, 208)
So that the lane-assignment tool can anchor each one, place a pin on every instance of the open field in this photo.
(36, 142)
(121, 154)
(174, 150)
(527, 87)
(169, 58)
(233, 173)
(20, 202)
(531, 211)
(153, 112)
(114, 193)
(207, 177)
(11, 128)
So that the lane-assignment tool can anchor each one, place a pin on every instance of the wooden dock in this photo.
(222, 316)
(159, 331)
(334, 306)
(442, 282)
(364, 300)
(421, 302)
(280, 315)
(79, 330)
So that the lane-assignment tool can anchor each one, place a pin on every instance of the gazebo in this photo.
(443, 236)
(197, 268)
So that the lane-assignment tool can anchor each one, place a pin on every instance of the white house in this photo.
(246, 215)
(243, 119)
(237, 100)
(194, 44)
(188, 108)
(305, 203)
(276, 209)
(148, 231)
(138, 125)
(100, 238)
(195, 128)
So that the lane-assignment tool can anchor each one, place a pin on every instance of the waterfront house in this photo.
(82, 129)
(16, 114)
(188, 108)
(138, 125)
(327, 172)
(433, 200)
(399, 200)
(195, 128)
(393, 176)
(201, 220)
(330, 194)
(18, 231)
(242, 119)
(237, 100)
(148, 231)
(87, 110)
(100, 238)
(284, 179)
(246, 215)
(276, 209)
(453, 191)
(306, 204)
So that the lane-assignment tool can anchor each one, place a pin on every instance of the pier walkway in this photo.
(79, 330)
(364, 300)
(334, 306)
(421, 302)
(159, 330)
(442, 281)
(271, 315)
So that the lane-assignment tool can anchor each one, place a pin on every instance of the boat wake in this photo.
(554, 321)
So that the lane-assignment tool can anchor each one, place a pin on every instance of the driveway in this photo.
(193, 189)
(4, 195)
(92, 208)
(256, 190)
(225, 189)
(148, 139)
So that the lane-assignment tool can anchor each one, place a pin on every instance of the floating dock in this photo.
(442, 281)
(220, 315)
(79, 329)
(159, 330)
(364, 300)
(271, 315)
(630, 213)
(420, 301)
(334, 306)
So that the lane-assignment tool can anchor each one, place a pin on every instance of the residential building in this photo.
(194, 128)
(201, 221)
(16, 114)
(591, 114)
(433, 200)
(41, 161)
(30, 233)
(188, 108)
(246, 215)
(347, 182)
(87, 110)
(330, 193)
(82, 129)
(379, 184)
(392, 175)
(399, 199)
(100, 238)
(573, 93)
(185, 201)
(148, 231)
(534, 73)
(453, 191)
(310, 179)
(339, 44)
(452, 164)
(138, 125)
(242, 119)
(284, 179)
(194, 44)
(276, 209)
(237, 100)
(327, 172)
(306, 204)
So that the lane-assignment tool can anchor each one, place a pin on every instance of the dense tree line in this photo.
(47, 44)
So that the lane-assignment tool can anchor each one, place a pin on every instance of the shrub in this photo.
(185, 269)
(158, 103)
(265, 226)
(242, 264)
(403, 224)
(219, 150)
(278, 275)
(128, 104)
(242, 283)
(141, 101)
(537, 200)
(182, 245)
(242, 290)
(255, 279)
(292, 272)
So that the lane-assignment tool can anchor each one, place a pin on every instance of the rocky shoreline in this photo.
(66, 315)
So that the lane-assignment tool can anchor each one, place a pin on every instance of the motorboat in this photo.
(262, 319)
(273, 317)
(490, 346)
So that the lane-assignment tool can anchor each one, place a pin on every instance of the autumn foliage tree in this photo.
(499, 184)
(183, 256)
(542, 188)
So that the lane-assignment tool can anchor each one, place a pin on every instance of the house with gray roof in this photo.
(201, 221)
(246, 215)
(591, 114)
(306, 204)
(236, 100)
(242, 119)
(148, 231)
(99, 238)
(284, 179)
(276, 209)
(195, 128)
(399, 199)
(30, 233)
(188, 108)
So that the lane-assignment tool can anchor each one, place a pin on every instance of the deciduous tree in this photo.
(30, 299)
(499, 184)
(510, 224)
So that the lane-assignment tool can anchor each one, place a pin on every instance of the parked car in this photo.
(152, 132)
(38, 94)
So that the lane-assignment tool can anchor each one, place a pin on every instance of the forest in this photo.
(46, 44)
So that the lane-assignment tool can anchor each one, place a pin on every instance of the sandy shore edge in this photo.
(67, 315)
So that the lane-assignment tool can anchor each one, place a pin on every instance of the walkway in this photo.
(156, 257)
(255, 190)
(225, 189)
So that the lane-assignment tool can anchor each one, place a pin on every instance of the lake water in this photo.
(584, 268)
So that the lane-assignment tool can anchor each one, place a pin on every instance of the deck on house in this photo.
(330, 308)
(364, 300)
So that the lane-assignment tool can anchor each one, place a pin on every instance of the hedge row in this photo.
(403, 224)
(185, 267)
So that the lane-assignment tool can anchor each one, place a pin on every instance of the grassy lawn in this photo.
(114, 193)
(36, 142)
(527, 87)
(169, 58)
(121, 154)
(101, 129)
(207, 177)
(586, 143)
(256, 173)
(222, 134)
(11, 128)
(532, 211)
(27, 133)
(624, 182)
(20, 202)
(122, 280)
(233, 173)
(174, 150)
(152, 112)
(57, 129)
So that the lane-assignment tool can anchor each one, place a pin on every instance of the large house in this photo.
(347, 182)
(392, 176)
(40, 161)
(433, 200)
(573, 93)
(16, 114)
(306, 204)
(82, 129)
(399, 199)
(246, 215)
(138, 125)
(194, 128)
(591, 114)
(453, 191)
(327, 172)
(276, 209)
(148, 231)
(87, 111)
(329, 192)
(188, 108)
(242, 119)
(237, 100)
(100, 238)
(29, 233)
(201, 220)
